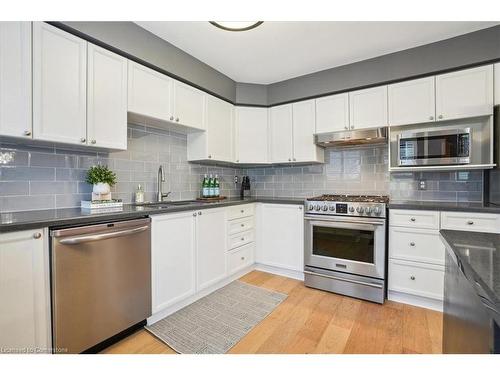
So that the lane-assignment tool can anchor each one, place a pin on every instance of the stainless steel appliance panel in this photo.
(101, 281)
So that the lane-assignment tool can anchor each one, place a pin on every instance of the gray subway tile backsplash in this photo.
(41, 177)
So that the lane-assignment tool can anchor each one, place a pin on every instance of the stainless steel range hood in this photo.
(352, 137)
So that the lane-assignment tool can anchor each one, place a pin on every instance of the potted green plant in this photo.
(102, 178)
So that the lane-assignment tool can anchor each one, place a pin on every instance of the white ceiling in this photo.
(276, 51)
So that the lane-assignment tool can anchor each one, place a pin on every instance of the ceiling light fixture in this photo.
(236, 25)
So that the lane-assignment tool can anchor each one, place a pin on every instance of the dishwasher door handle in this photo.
(103, 236)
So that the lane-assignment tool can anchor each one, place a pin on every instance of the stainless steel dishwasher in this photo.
(101, 282)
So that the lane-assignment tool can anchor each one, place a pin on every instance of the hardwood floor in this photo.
(313, 321)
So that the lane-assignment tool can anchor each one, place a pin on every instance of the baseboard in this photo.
(202, 293)
(293, 274)
(410, 299)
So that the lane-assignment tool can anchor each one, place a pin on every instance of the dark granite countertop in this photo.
(444, 206)
(478, 256)
(12, 221)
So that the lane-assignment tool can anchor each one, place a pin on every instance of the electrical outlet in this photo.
(422, 185)
(236, 180)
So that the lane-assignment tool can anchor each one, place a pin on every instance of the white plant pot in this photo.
(101, 190)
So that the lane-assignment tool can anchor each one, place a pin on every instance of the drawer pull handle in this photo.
(412, 277)
(412, 219)
(242, 211)
(470, 222)
(242, 258)
(412, 243)
(242, 225)
(243, 238)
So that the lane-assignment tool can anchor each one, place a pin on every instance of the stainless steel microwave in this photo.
(435, 147)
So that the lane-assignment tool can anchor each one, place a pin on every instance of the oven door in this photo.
(352, 245)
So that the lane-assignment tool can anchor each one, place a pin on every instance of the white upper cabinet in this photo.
(149, 92)
(219, 129)
(59, 85)
(304, 121)
(251, 138)
(466, 93)
(412, 102)
(15, 79)
(188, 106)
(368, 108)
(332, 113)
(280, 130)
(497, 83)
(106, 99)
(173, 247)
(24, 290)
(210, 247)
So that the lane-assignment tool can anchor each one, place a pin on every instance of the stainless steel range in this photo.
(345, 245)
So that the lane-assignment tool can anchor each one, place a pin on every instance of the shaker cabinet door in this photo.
(15, 79)
(251, 138)
(59, 85)
(280, 131)
(332, 113)
(107, 99)
(368, 108)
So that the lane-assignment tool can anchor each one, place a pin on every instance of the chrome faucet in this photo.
(161, 178)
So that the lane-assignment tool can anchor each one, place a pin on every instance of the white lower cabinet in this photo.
(240, 258)
(471, 221)
(210, 247)
(280, 236)
(173, 246)
(24, 291)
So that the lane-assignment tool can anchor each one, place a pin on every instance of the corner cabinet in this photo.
(25, 291)
(251, 135)
(106, 99)
(216, 144)
(59, 85)
(15, 79)
(280, 133)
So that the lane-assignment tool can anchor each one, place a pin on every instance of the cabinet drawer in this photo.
(420, 279)
(414, 219)
(420, 245)
(240, 258)
(240, 225)
(476, 222)
(240, 239)
(237, 212)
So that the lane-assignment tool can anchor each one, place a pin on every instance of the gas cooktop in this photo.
(348, 205)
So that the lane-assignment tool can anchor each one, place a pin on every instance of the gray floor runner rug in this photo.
(215, 323)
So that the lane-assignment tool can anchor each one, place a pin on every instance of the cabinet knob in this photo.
(242, 258)
(171, 118)
(431, 117)
(194, 214)
(470, 222)
(93, 141)
(243, 238)
(412, 243)
(37, 235)
(27, 133)
(413, 219)
(440, 116)
(242, 211)
(242, 225)
(345, 127)
(412, 277)
(199, 213)
(294, 159)
(289, 159)
(82, 140)
(210, 156)
(177, 119)
(300, 208)
(237, 161)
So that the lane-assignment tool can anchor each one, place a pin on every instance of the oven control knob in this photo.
(317, 207)
(377, 211)
(325, 208)
(360, 210)
(332, 208)
(351, 209)
(311, 207)
(368, 210)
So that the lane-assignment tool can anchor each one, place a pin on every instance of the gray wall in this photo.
(473, 48)
(250, 93)
(44, 177)
(136, 41)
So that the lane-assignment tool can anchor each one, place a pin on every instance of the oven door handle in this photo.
(331, 220)
(373, 285)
